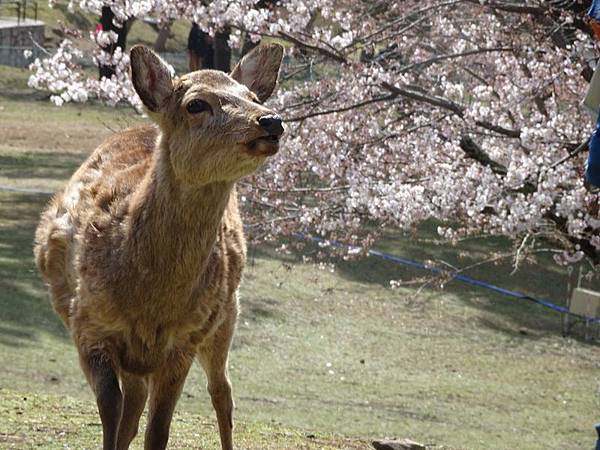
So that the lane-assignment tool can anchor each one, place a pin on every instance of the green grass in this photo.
(337, 355)
(58, 422)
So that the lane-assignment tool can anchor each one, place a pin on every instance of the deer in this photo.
(143, 250)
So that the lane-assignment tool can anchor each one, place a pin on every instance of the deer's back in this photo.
(99, 190)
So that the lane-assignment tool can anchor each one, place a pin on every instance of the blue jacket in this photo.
(592, 172)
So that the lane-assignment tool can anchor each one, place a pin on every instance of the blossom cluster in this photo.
(462, 112)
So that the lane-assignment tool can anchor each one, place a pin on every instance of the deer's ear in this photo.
(151, 77)
(259, 69)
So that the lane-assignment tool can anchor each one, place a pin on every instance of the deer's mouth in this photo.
(264, 145)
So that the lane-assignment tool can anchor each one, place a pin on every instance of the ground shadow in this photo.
(42, 165)
(542, 279)
(25, 306)
(517, 317)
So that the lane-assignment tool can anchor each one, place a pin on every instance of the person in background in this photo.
(200, 49)
(222, 51)
(592, 100)
(107, 24)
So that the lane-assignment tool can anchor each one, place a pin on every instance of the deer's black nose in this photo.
(272, 124)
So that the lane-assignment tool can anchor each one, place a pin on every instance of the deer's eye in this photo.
(198, 106)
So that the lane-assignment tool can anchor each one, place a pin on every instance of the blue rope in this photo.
(457, 276)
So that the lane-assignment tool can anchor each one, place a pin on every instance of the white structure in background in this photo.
(19, 31)
(584, 302)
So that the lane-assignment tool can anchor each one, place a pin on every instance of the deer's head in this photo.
(214, 125)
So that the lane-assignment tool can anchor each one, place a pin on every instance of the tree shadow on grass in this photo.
(13, 337)
(262, 309)
(25, 307)
(42, 165)
(543, 279)
(513, 316)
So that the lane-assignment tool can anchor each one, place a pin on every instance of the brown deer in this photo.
(143, 251)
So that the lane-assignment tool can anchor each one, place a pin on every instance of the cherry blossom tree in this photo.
(463, 111)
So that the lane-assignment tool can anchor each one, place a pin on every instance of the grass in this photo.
(58, 422)
(321, 359)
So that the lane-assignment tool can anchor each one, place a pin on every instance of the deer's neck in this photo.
(173, 228)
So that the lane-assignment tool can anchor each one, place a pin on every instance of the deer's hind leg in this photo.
(102, 376)
(135, 393)
(165, 386)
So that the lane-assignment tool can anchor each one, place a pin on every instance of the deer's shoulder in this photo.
(104, 182)
(122, 151)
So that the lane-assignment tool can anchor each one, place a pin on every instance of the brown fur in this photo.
(143, 252)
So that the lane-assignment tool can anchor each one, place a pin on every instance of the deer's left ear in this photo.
(259, 70)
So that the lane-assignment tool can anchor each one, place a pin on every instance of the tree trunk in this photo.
(248, 45)
(163, 35)
(106, 21)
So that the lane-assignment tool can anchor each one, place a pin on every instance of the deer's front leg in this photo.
(166, 385)
(102, 377)
(135, 392)
(213, 356)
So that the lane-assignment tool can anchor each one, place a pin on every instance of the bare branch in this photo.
(439, 58)
(342, 109)
(294, 40)
(474, 151)
(512, 7)
(297, 189)
(498, 129)
(580, 148)
(426, 98)
(444, 103)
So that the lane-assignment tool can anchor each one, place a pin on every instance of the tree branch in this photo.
(580, 148)
(434, 100)
(498, 129)
(474, 151)
(512, 7)
(439, 58)
(342, 109)
(316, 48)
(449, 105)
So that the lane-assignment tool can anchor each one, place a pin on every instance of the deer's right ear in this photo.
(151, 77)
